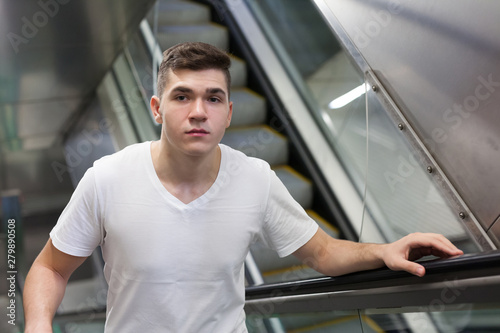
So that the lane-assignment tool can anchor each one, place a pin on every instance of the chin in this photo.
(200, 150)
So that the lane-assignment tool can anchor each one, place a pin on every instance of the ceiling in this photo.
(53, 55)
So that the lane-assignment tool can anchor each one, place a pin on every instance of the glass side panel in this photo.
(438, 318)
(80, 323)
(142, 64)
(435, 318)
(401, 195)
(134, 96)
(323, 73)
(334, 321)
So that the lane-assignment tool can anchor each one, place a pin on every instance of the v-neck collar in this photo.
(199, 201)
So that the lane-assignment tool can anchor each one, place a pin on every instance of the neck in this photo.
(175, 168)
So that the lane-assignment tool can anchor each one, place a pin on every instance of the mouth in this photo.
(197, 132)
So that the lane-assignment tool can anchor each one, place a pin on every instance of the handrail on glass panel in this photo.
(471, 278)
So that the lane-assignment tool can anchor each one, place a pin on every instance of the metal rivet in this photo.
(462, 215)
(401, 126)
(374, 88)
(429, 169)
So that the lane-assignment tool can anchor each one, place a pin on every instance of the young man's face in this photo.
(194, 110)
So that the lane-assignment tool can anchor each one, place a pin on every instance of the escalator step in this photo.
(258, 141)
(211, 33)
(276, 269)
(323, 224)
(174, 12)
(238, 72)
(249, 108)
(299, 186)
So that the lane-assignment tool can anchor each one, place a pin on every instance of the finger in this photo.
(448, 247)
(410, 267)
(441, 254)
(440, 244)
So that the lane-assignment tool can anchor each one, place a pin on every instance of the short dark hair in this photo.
(195, 56)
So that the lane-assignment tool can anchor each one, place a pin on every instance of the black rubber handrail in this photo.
(465, 266)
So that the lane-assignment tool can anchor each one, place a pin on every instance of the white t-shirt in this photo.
(170, 266)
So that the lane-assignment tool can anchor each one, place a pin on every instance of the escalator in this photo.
(456, 295)
(345, 162)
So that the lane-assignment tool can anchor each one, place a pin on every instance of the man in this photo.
(175, 218)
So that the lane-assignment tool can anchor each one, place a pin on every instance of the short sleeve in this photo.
(287, 226)
(78, 230)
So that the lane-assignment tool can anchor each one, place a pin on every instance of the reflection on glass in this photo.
(459, 318)
(401, 194)
(348, 97)
(335, 321)
(337, 82)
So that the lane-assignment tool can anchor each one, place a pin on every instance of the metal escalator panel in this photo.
(400, 184)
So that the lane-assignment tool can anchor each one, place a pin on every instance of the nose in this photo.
(198, 111)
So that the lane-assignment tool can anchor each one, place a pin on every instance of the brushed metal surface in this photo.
(53, 53)
(61, 50)
(494, 232)
(440, 63)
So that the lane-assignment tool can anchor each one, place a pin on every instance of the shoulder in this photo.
(129, 154)
(238, 162)
(123, 163)
(246, 180)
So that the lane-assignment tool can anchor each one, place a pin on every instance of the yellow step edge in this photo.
(248, 91)
(324, 324)
(235, 57)
(284, 270)
(373, 325)
(294, 172)
(321, 220)
(263, 127)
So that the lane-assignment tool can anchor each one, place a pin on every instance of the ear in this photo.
(230, 114)
(155, 108)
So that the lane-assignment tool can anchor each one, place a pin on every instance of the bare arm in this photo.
(335, 257)
(45, 286)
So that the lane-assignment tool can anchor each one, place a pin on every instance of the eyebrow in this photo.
(215, 91)
(208, 90)
(182, 89)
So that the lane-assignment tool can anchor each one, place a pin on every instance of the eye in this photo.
(180, 98)
(214, 99)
